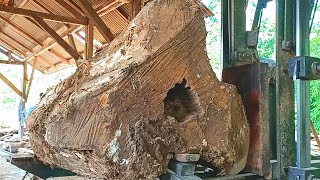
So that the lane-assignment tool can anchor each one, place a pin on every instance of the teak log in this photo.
(150, 94)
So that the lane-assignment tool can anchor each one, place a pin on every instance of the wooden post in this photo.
(89, 40)
(9, 56)
(31, 79)
(71, 42)
(24, 82)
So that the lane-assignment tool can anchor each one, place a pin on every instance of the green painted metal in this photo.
(286, 148)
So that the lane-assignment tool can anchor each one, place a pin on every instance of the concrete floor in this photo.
(10, 172)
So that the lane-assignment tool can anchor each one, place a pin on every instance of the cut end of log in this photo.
(150, 94)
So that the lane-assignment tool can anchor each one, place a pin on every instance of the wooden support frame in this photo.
(24, 82)
(71, 42)
(69, 8)
(95, 18)
(31, 79)
(89, 41)
(57, 38)
(50, 17)
(8, 54)
(10, 84)
(11, 62)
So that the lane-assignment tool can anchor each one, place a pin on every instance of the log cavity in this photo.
(181, 102)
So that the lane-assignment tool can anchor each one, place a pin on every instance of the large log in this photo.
(151, 93)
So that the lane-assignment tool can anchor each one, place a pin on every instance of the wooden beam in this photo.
(57, 38)
(6, 53)
(31, 79)
(12, 47)
(47, 9)
(51, 17)
(9, 55)
(69, 8)
(11, 62)
(24, 81)
(135, 8)
(52, 43)
(9, 83)
(89, 41)
(16, 41)
(71, 42)
(94, 17)
(58, 56)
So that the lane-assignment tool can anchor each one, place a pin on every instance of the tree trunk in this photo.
(151, 93)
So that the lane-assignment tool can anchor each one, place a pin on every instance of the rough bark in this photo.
(151, 93)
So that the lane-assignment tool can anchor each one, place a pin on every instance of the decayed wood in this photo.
(150, 94)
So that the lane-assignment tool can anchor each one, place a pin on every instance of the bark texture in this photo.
(151, 93)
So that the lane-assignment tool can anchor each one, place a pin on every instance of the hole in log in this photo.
(180, 102)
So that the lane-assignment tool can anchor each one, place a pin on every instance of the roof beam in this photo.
(57, 38)
(71, 42)
(95, 18)
(25, 33)
(11, 62)
(58, 56)
(63, 34)
(68, 7)
(51, 17)
(10, 84)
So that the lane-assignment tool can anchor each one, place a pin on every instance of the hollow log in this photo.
(148, 95)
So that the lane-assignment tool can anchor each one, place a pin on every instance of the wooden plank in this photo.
(57, 38)
(23, 32)
(51, 17)
(94, 17)
(71, 42)
(89, 40)
(69, 8)
(9, 83)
